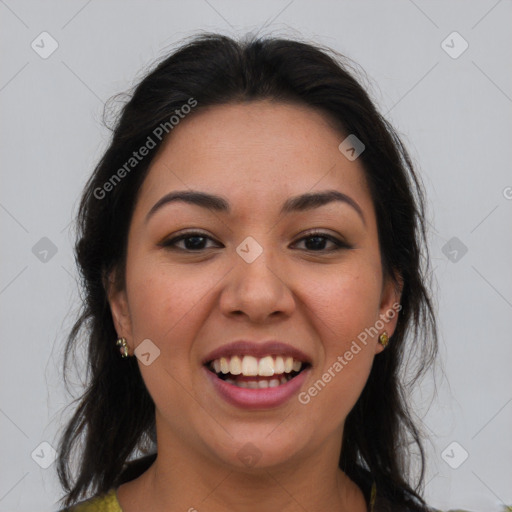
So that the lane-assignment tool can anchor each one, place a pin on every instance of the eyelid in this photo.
(339, 242)
(170, 243)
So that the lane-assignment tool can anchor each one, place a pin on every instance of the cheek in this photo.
(344, 308)
(161, 297)
(165, 307)
(345, 302)
(168, 305)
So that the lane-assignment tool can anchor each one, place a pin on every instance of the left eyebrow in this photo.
(298, 203)
(316, 199)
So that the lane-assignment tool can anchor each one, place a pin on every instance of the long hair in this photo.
(115, 416)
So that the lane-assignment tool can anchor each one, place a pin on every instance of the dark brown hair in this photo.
(115, 417)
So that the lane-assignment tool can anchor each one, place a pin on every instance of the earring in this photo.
(384, 339)
(121, 342)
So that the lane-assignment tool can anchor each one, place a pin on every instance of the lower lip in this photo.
(257, 398)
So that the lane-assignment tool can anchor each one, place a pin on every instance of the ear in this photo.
(390, 306)
(119, 307)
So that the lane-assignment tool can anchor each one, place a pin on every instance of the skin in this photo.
(189, 303)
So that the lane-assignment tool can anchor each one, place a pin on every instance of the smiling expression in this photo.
(266, 181)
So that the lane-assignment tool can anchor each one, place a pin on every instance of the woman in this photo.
(251, 246)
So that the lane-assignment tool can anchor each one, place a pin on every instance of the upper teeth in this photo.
(252, 366)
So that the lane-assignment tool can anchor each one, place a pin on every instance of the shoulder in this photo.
(103, 503)
(107, 501)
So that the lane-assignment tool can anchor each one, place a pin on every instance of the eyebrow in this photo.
(300, 203)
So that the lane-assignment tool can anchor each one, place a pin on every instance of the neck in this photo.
(182, 479)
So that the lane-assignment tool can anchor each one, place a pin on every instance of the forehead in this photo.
(258, 153)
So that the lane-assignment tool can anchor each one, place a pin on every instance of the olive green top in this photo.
(103, 503)
(108, 503)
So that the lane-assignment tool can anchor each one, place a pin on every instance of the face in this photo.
(255, 267)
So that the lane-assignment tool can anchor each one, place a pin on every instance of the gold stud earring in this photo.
(384, 339)
(121, 342)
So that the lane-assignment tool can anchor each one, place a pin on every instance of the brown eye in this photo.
(193, 241)
(196, 241)
(317, 241)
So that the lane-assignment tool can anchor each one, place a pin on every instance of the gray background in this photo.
(454, 115)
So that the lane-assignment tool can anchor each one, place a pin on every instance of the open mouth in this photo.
(251, 372)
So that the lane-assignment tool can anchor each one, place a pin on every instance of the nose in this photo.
(257, 291)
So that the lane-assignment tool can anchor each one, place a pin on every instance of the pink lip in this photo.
(257, 398)
(249, 348)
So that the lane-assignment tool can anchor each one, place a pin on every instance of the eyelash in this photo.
(171, 243)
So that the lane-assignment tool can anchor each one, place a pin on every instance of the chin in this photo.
(263, 448)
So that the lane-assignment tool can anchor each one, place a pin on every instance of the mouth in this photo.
(250, 372)
(257, 375)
